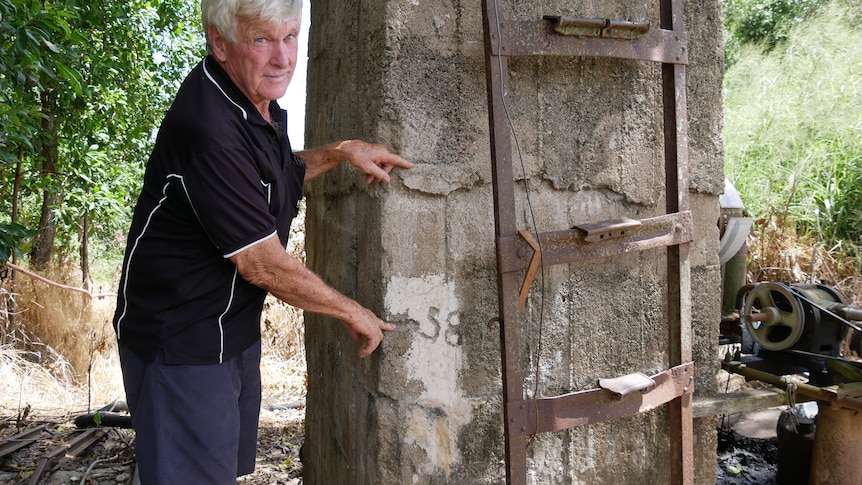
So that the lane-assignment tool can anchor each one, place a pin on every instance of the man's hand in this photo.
(375, 161)
(268, 266)
(370, 327)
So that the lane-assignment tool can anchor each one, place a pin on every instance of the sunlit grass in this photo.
(793, 128)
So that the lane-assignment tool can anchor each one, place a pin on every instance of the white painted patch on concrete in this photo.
(438, 414)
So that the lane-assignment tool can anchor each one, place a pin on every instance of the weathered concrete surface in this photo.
(426, 408)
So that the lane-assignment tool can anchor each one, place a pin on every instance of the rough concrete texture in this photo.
(427, 407)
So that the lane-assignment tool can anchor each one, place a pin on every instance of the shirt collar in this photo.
(218, 77)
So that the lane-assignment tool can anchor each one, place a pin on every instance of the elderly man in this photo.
(207, 243)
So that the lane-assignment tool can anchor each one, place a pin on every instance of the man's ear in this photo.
(217, 42)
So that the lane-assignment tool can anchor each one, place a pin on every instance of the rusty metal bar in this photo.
(68, 450)
(678, 266)
(562, 247)
(532, 416)
(833, 395)
(505, 225)
(22, 439)
(614, 29)
(538, 38)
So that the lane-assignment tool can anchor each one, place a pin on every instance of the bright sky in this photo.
(294, 99)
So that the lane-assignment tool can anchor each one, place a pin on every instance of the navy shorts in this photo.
(193, 423)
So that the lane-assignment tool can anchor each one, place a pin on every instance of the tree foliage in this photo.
(83, 86)
(796, 150)
(14, 239)
(762, 22)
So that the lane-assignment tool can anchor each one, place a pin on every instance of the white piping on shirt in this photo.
(135, 247)
(268, 187)
(255, 243)
(221, 317)
(210, 77)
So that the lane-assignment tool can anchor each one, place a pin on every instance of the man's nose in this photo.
(282, 52)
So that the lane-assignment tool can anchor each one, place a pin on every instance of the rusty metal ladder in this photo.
(518, 251)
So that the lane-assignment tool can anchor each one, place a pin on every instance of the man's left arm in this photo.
(375, 161)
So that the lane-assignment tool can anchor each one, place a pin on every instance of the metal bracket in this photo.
(614, 228)
(531, 270)
(607, 28)
(532, 416)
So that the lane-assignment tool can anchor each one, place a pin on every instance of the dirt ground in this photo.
(746, 461)
(111, 459)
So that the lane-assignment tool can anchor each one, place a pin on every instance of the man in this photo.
(207, 243)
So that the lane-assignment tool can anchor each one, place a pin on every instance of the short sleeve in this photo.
(229, 198)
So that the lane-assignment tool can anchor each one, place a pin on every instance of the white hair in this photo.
(224, 15)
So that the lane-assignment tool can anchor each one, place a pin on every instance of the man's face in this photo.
(262, 61)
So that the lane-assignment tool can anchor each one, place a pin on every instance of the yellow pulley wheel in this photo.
(773, 316)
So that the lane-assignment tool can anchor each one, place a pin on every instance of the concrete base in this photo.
(837, 455)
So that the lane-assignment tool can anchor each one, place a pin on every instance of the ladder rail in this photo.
(668, 46)
(504, 223)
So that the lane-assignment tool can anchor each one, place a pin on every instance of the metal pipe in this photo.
(829, 395)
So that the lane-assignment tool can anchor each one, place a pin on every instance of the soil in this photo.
(746, 461)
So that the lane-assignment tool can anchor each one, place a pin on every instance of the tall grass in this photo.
(793, 128)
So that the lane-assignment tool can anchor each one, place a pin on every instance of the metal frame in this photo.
(518, 250)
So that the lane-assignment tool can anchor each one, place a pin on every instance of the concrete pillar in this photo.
(426, 408)
(837, 454)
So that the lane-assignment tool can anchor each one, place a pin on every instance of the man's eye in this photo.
(260, 41)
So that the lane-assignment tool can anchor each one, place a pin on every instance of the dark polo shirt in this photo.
(220, 179)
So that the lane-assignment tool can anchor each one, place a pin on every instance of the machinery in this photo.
(793, 326)
(784, 328)
(788, 329)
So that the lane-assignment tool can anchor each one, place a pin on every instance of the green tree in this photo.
(762, 22)
(84, 85)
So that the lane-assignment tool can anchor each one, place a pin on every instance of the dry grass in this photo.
(59, 355)
(779, 254)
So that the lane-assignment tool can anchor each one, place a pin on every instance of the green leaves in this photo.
(80, 79)
(14, 238)
(762, 22)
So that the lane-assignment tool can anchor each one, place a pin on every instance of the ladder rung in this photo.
(581, 408)
(569, 246)
(538, 38)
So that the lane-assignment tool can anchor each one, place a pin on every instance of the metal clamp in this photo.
(607, 28)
